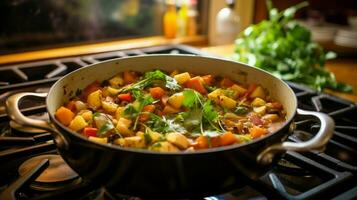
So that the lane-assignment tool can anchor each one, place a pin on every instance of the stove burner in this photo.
(311, 175)
(57, 175)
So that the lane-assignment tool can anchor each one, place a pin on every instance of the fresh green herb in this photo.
(147, 138)
(191, 98)
(241, 110)
(209, 112)
(96, 114)
(156, 145)
(283, 47)
(134, 109)
(130, 111)
(230, 93)
(105, 128)
(149, 78)
(193, 119)
(210, 88)
(163, 125)
(210, 115)
(203, 112)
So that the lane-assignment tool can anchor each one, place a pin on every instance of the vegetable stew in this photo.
(173, 112)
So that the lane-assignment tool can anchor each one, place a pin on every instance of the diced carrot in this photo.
(215, 141)
(227, 138)
(64, 115)
(226, 82)
(129, 77)
(201, 142)
(208, 79)
(196, 83)
(250, 89)
(71, 105)
(157, 92)
(90, 131)
(145, 116)
(125, 97)
(91, 88)
(257, 132)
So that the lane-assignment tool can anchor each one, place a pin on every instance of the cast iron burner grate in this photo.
(308, 175)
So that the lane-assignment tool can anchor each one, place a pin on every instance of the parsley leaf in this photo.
(105, 128)
(191, 98)
(149, 78)
(209, 112)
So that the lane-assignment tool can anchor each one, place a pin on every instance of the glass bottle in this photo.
(227, 24)
(170, 20)
(182, 19)
(192, 18)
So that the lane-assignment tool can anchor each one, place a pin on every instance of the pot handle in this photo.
(13, 111)
(318, 142)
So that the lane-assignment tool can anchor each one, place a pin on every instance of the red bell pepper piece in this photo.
(125, 97)
(90, 131)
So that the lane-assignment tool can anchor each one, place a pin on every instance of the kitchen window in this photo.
(33, 24)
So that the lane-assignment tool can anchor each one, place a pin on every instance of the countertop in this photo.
(345, 69)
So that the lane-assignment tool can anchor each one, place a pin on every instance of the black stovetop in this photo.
(310, 175)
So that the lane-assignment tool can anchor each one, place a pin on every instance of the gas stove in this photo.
(31, 168)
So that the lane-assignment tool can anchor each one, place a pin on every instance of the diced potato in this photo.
(86, 114)
(258, 102)
(227, 102)
(176, 100)
(134, 142)
(119, 112)
(80, 105)
(258, 92)
(116, 81)
(78, 123)
(109, 106)
(170, 110)
(98, 139)
(260, 110)
(215, 94)
(125, 121)
(113, 91)
(155, 136)
(239, 89)
(164, 147)
(95, 99)
(119, 141)
(105, 92)
(178, 140)
(123, 125)
(182, 78)
(271, 117)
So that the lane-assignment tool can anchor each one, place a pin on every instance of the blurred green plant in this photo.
(283, 47)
